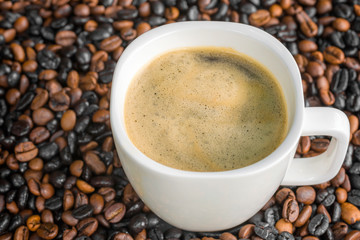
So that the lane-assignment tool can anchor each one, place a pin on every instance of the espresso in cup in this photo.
(205, 109)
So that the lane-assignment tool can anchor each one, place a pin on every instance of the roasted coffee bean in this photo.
(318, 225)
(115, 212)
(82, 211)
(47, 231)
(138, 223)
(87, 227)
(340, 81)
(54, 203)
(290, 210)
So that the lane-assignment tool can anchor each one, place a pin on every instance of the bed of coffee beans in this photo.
(60, 176)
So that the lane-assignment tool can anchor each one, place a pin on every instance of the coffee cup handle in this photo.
(319, 169)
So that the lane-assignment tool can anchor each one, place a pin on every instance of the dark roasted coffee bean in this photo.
(54, 203)
(16, 221)
(353, 103)
(48, 151)
(351, 39)
(340, 81)
(82, 211)
(22, 197)
(156, 234)
(4, 186)
(4, 222)
(138, 223)
(57, 179)
(354, 197)
(48, 59)
(337, 40)
(127, 14)
(318, 225)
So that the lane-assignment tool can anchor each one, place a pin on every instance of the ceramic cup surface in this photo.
(211, 201)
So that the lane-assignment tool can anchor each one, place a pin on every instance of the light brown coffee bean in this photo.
(357, 9)
(84, 186)
(36, 164)
(307, 46)
(304, 145)
(87, 226)
(323, 6)
(34, 186)
(346, 184)
(320, 144)
(353, 235)
(334, 55)
(322, 83)
(29, 66)
(40, 99)
(33, 222)
(339, 230)
(115, 212)
(25, 151)
(142, 28)
(88, 82)
(128, 34)
(321, 209)
(259, 18)
(246, 231)
(283, 194)
(354, 123)
(307, 25)
(341, 195)
(310, 238)
(59, 102)
(80, 198)
(48, 74)
(327, 97)
(73, 79)
(101, 115)
(349, 213)
(65, 38)
(290, 210)
(284, 226)
(339, 178)
(341, 24)
(47, 231)
(304, 216)
(68, 218)
(352, 63)
(42, 116)
(82, 10)
(97, 202)
(47, 190)
(111, 43)
(108, 193)
(68, 200)
(126, 236)
(76, 168)
(21, 233)
(21, 24)
(315, 69)
(18, 51)
(12, 96)
(39, 135)
(94, 163)
(69, 234)
(68, 120)
(306, 194)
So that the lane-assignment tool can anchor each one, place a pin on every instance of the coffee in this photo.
(205, 109)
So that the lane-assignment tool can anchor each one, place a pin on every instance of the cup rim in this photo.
(285, 148)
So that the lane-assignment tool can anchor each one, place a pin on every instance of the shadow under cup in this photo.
(245, 39)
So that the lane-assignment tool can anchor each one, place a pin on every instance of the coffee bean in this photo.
(25, 151)
(47, 230)
(115, 212)
(305, 195)
(87, 227)
(334, 55)
(290, 210)
(259, 18)
(59, 101)
(307, 26)
(349, 213)
(341, 24)
(138, 223)
(54, 203)
(94, 162)
(110, 44)
(33, 222)
(318, 225)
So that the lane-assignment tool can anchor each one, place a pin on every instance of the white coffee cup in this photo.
(210, 201)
